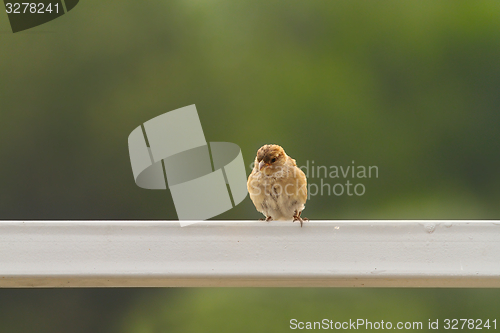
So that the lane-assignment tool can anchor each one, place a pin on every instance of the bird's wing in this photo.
(302, 182)
(291, 161)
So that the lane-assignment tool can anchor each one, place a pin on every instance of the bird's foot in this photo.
(267, 219)
(298, 218)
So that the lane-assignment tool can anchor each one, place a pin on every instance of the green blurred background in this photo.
(412, 87)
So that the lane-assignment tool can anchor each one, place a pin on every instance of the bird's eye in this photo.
(273, 160)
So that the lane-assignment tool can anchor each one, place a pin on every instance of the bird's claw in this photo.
(267, 219)
(297, 217)
(301, 219)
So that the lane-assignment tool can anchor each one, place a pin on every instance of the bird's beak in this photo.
(261, 165)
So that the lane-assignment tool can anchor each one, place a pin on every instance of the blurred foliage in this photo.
(179, 310)
(409, 86)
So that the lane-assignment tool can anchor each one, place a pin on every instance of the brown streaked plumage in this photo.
(277, 187)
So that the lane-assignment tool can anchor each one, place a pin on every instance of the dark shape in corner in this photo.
(70, 4)
(24, 17)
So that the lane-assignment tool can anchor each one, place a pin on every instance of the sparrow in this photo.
(277, 187)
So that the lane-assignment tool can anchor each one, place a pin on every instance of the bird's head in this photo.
(270, 156)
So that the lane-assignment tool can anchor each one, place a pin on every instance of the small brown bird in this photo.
(277, 187)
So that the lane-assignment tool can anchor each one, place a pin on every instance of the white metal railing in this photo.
(249, 253)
